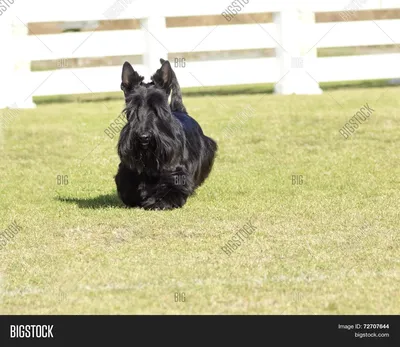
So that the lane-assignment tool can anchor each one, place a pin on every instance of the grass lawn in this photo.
(327, 246)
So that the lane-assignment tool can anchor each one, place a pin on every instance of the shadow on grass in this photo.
(101, 201)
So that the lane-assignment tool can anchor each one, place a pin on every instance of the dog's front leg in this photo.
(128, 183)
(171, 191)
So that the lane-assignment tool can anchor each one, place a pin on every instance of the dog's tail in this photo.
(176, 103)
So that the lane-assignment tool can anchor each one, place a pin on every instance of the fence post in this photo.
(14, 69)
(296, 57)
(154, 28)
(22, 69)
(6, 63)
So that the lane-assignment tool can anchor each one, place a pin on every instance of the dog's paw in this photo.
(161, 205)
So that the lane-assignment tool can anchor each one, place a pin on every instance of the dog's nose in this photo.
(144, 138)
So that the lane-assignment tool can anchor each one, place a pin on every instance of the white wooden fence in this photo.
(293, 33)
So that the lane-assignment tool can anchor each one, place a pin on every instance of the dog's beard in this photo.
(136, 156)
(163, 150)
(141, 159)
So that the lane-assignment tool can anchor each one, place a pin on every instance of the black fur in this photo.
(163, 152)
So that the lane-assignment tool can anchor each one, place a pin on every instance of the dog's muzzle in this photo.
(144, 140)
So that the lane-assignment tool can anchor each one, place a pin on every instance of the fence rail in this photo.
(293, 34)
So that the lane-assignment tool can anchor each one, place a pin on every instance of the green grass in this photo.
(241, 89)
(328, 246)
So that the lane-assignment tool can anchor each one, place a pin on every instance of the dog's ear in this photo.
(164, 76)
(130, 78)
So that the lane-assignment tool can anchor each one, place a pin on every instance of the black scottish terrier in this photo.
(164, 154)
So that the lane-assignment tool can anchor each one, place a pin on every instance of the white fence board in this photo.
(76, 81)
(360, 33)
(221, 38)
(80, 45)
(363, 67)
(108, 79)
